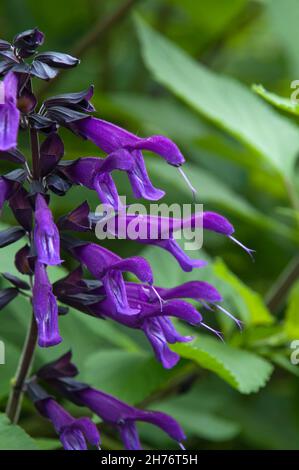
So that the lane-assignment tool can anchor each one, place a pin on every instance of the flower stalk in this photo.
(26, 359)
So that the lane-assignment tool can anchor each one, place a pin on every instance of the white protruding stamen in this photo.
(248, 250)
(217, 333)
(230, 315)
(186, 179)
(161, 301)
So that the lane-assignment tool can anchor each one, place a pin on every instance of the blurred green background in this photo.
(186, 69)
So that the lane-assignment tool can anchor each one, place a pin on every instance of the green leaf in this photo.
(13, 437)
(161, 115)
(223, 100)
(243, 370)
(130, 376)
(291, 325)
(285, 104)
(45, 443)
(197, 421)
(283, 21)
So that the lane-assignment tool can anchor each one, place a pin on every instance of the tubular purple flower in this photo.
(197, 290)
(119, 414)
(9, 113)
(73, 433)
(159, 231)
(94, 173)
(154, 322)
(108, 267)
(45, 308)
(110, 138)
(46, 234)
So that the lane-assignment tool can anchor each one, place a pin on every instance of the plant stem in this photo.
(16, 395)
(283, 284)
(35, 153)
(15, 399)
(290, 274)
(34, 143)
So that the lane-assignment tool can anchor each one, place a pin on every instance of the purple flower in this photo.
(9, 113)
(73, 433)
(94, 173)
(118, 414)
(111, 138)
(152, 318)
(108, 267)
(46, 234)
(159, 231)
(45, 308)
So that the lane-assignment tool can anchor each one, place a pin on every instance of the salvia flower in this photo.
(108, 267)
(73, 433)
(95, 173)
(124, 417)
(111, 138)
(159, 231)
(45, 308)
(118, 414)
(153, 310)
(46, 234)
(9, 113)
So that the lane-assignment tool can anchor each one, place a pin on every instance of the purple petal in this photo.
(197, 290)
(107, 191)
(129, 435)
(175, 308)
(217, 223)
(164, 422)
(162, 146)
(116, 292)
(46, 235)
(73, 439)
(140, 182)
(89, 430)
(136, 265)
(186, 263)
(9, 113)
(156, 336)
(45, 308)
(170, 333)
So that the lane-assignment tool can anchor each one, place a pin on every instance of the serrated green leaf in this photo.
(13, 437)
(243, 370)
(223, 100)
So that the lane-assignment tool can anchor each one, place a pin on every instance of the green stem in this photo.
(15, 399)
